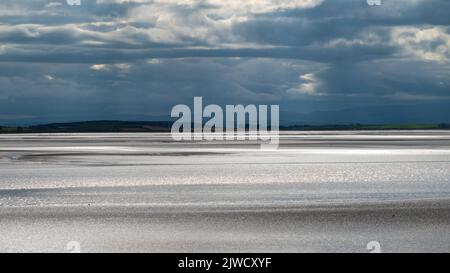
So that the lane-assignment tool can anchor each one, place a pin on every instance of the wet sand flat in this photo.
(319, 192)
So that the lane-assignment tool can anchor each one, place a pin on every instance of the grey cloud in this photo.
(327, 57)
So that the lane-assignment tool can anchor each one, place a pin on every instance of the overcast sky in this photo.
(135, 59)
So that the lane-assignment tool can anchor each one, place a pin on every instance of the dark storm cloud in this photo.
(110, 55)
(135, 59)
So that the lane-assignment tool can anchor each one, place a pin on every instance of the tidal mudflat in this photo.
(319, 192)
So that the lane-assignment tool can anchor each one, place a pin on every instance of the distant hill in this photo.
(164, 126)
(93, 127)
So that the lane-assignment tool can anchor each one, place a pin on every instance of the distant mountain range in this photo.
(410, 116)
(390, 114)
(418, 113)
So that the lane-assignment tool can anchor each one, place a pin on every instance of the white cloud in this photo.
(431, 44)
(98, 67)
(124, 67)
(231, 6)
(309, 86)
(154, 61)
(3, 49)
(53, 4)
(190, 20)
(308, 77)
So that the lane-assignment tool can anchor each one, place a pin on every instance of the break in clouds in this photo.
(323, 61)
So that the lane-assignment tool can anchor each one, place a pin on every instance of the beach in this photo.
(318, 192)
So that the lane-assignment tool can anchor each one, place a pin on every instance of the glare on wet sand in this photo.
(319, 192)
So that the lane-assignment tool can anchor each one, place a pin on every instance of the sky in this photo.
(322, 61)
